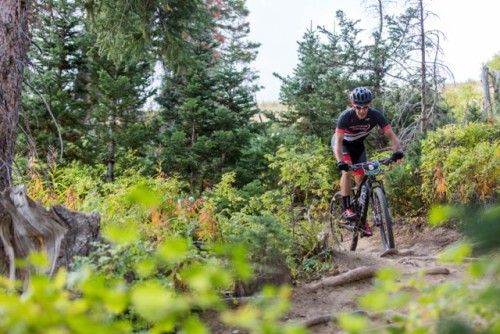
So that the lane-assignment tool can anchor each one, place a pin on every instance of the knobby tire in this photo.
(382, 217)
(343, 237)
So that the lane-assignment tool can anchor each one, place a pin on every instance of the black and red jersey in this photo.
(356, 130)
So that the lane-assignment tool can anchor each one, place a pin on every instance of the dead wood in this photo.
(84, 230)
(402, 252)
(347, 277)
(325, 318)
(27, 227)
(318, 320)
(432, 258)
(431, 271)
(420, 258)
(437, 271)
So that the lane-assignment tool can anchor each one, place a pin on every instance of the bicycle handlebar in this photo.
(361, 165)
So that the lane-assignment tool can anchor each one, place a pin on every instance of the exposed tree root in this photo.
(402, 252)
(347, 277)
(437, 271)
(325, 318)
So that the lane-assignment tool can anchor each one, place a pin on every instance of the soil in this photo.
(416, 243)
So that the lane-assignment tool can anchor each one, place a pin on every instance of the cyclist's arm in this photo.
(396, 145)
(339, 137)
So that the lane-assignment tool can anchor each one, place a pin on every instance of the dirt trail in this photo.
(417, 244)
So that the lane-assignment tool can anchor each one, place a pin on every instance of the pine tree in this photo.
(79, 100)
(208, 110)
(313, 93)
(53, 107)
(118, 93)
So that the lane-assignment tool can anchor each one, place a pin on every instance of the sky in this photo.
(470, 27)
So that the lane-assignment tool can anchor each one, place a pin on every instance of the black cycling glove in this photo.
(398, 155)
(342, 165)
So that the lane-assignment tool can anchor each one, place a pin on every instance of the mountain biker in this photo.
(353, 126)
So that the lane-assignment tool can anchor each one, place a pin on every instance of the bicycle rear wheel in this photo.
(344, 236)
(382, 217)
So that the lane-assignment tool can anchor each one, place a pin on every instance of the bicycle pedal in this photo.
(347, 225)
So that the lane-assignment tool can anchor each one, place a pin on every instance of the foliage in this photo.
(207, 110)
(157, 267)
(315, 92)
(494, 62)
(332, 63)
(79, 104)
(460, 164)
(83, 300)
(263, 235)
(54, 105)
(403, 184)
(306, 179)
(117, 91)
(466, 306)
(129, 30)
(465, 101)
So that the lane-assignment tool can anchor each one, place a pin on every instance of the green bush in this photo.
(86, 300)
(461, 164)
(402, 183)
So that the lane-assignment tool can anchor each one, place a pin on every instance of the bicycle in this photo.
(370, 192)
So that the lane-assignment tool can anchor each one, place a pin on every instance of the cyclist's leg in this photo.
(345, 181)
(358, 155)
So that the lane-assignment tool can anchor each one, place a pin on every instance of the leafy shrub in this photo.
(461, 164)
(86, 300)
(402, 183)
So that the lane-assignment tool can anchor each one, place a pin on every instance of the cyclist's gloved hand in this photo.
(398, 155)
(342, 165)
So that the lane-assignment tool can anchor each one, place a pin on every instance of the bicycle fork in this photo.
(375, 210)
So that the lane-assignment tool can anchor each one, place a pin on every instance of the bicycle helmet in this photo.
(361, 95)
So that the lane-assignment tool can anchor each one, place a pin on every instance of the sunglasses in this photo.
(361, 107)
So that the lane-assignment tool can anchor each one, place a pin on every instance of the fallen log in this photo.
(318, 320)
(434, 258)
(402, 252)
(437, 271)
(325, 318)
(347, 277)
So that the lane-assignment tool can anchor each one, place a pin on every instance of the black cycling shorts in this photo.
(355, 153)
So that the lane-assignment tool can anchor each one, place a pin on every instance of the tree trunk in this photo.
(424, 119)
(14, 45)
(496, 95)
(496, 87)
(57, 232)
(84, 229)
(487, 106)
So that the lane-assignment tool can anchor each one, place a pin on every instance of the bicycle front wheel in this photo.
(382, 217)
(344, 236)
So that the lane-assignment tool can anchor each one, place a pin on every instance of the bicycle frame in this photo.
(370, 192)
(360, 204)
(361, 207)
